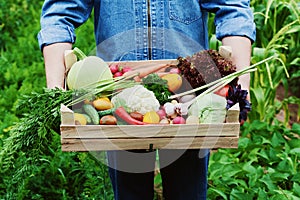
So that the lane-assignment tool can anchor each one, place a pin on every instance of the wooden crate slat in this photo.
(82, 145)
(128, 131)
(232, 115)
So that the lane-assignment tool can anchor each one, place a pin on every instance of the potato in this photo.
(108, 120)
(80, 119)
(102, 104)
(137, 116)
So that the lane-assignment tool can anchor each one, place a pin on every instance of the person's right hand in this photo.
(54, 64)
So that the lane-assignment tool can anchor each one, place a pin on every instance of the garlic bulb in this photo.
(169, 108)
(174, 109)
(180, 109)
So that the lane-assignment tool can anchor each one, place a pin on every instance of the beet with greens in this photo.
(204, 67)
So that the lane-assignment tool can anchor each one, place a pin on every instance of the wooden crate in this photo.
(127, 137)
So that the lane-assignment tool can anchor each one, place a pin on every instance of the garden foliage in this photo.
(32, 165)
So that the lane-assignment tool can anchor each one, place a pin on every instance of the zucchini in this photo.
(92, 113)
(88, 118)
(106, 112)
(77, 110)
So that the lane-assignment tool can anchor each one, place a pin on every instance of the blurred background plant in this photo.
(55, 175)
(266, 164)
(278, 27)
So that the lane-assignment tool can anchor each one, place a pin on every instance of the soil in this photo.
(293, 108)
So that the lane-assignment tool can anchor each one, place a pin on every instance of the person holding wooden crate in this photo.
(149, 30)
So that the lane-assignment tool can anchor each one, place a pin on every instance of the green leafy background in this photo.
(265, 166)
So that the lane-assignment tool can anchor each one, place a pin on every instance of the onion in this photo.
(192, 120)
(169, 108)
(164, 121)
(186, 98)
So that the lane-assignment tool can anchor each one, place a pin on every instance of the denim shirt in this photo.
(146, 29)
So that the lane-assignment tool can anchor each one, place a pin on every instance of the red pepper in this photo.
(121, 112)
(223, 91)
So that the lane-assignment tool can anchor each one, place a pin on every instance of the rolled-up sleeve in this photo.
(232, 18)
(59, 19)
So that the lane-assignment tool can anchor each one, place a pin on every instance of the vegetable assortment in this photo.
(146, 95)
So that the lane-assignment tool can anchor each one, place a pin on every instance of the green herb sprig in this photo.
(158, 86)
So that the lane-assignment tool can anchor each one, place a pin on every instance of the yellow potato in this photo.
(80, 119)
(151, 117)
(102, 104)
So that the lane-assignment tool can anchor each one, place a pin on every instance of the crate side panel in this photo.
(149, 143)
(233, 113)
(67, 115)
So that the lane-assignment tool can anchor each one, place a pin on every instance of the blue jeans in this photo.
(184, 174)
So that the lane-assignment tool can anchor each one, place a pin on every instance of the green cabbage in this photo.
(210, 108)
(88, 71)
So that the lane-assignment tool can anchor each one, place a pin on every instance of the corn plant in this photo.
(278, 26)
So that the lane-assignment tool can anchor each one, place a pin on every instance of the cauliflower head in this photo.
(137, 98)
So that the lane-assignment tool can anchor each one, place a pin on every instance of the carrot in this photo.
(137, 79)
(121, 113)
(160, 74)
(144, 71)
